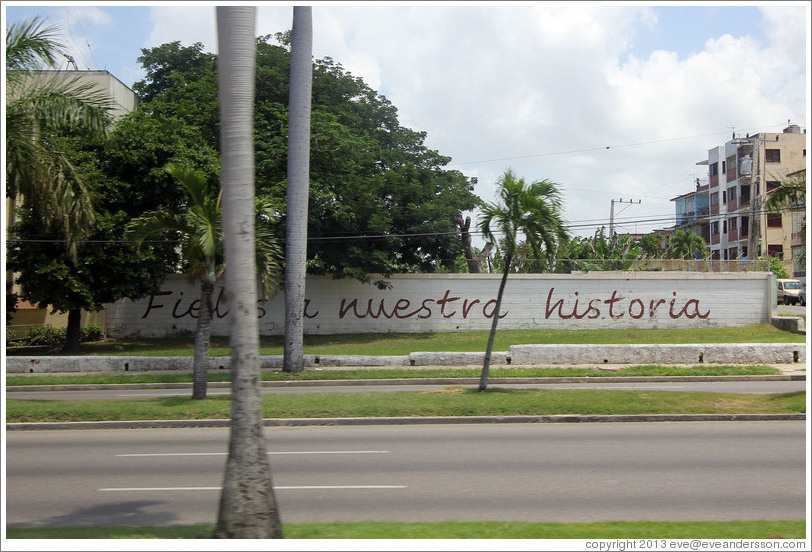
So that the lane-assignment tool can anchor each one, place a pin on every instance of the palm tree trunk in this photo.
(73, 331)
(247, 502)
(202, 341)
(483, 379)
(301, 79)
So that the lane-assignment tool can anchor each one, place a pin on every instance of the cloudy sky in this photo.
(612, 101)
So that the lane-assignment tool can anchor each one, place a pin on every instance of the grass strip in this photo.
(399, 373)
(453, 530)
(450, 401)
(397, 344)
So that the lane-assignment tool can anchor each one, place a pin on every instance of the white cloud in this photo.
(520, 84)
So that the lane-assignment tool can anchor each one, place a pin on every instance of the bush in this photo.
(45, 335)
(91, 333)
(776, 267)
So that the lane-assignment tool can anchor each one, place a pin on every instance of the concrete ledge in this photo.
(456, 359)
(521, 355)
(711, 353)
(789, 324)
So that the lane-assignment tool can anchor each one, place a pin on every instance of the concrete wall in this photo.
(465, 302)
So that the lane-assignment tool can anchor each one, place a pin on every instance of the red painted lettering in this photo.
(653, 306)
(442, 302)
(642, 309)
(611, 302)
(466, 307)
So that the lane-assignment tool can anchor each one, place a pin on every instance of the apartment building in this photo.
(728, 208)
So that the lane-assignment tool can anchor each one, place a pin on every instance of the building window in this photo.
(714, 169)
(724, 167)
(776, 251)
(731, 225)
(724, 227)
(773, 155)
(714, 228)
(774, 221)
(714, 198)
(772, 185)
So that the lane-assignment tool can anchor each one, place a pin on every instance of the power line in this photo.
(604, 148)
(570, 225)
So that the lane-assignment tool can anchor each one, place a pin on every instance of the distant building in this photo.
(728, 209)
(693, 210)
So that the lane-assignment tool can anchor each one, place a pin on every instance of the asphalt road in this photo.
(757, 387)
(522, 472)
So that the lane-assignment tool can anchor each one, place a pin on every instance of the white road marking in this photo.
(279, 488)
(151, 454)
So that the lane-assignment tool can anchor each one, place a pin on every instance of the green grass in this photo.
(449, 401)
(403, 344)
(454, 530)
(397, 373)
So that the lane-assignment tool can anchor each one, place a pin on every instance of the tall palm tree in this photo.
(301, 81)
(38, 107)
(200, 229)
(247, 502)
(684, 244)
(533, 210)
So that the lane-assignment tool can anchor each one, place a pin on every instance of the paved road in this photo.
(758, 387)
(523, 472)
(794, 310)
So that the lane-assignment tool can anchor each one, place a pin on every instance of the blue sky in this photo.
(685, 29)
(538, 87)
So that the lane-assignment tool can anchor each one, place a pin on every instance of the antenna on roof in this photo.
(71, 61)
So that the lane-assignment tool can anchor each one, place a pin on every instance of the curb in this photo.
(282, 422)
(415, 381)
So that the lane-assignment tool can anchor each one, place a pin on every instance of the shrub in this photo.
(91, 333)
(45, 335)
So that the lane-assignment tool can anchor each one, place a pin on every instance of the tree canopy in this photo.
(380, 201)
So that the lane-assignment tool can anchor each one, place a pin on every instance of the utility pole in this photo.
(612, 213)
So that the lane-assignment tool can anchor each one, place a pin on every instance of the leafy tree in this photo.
(776, 267)
(102, 268)
(684, 244)
(533, 210)
(200, 228)
(379, 202)
(247, 502)
(653, 246)
(600, 252)
(301, 83)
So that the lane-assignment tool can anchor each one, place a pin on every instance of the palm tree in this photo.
(247, 502)
(37, 108)
(301, 81)
(533, 210)
(685, 244)
(200, 229)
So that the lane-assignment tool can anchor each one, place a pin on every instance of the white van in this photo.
(788, 291)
